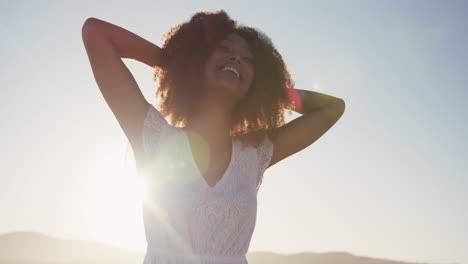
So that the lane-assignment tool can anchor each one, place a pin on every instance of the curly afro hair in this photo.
(184, 53)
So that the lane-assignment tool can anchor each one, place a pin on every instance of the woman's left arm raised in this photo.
(319, 113)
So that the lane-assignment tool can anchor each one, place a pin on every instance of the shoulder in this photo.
(155, 126)
(260, 145)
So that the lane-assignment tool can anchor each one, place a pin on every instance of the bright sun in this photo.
(115, 195)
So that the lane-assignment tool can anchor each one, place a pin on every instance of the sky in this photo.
(388, 180)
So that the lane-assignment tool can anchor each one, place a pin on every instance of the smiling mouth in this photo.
(231, 73)
(230, 69)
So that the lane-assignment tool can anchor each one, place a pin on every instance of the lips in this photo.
(230, 68)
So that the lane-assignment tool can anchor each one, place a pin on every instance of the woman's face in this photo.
(230, 68)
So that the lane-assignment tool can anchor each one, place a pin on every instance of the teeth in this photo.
(228, 68)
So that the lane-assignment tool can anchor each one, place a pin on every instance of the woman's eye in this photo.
(225, 48)
(228, 49)
(249, 60)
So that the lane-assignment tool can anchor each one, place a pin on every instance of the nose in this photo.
(234, 57)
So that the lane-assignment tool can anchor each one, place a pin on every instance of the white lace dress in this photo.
(185, 219)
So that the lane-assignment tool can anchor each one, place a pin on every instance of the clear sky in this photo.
(389, 180)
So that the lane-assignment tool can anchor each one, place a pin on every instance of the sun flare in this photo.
(115, 196)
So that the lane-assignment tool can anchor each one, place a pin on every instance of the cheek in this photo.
(250, 78)
(248, 83)
(209, 70)
(216, 57)
(210, 65)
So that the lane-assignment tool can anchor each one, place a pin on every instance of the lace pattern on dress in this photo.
(264, 154)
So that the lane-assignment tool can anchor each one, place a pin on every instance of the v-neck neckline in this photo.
(194, 163)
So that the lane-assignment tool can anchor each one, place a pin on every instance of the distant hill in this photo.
(316, 258)
(38, 248)
(34, 247)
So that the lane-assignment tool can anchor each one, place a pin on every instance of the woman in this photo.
(224, 89)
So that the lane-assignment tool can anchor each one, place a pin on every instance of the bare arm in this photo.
(105, 45)
(127, 44)
(311, 101)
(319, 113)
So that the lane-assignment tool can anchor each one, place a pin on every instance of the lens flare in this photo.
(294, 97)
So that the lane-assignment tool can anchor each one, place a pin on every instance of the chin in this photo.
(226, 86)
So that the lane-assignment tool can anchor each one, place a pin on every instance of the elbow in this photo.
(338, 107)
(89, 26)
(85, 29)
(90, 21)
(341, 106)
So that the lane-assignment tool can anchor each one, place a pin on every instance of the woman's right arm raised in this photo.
(106, 44)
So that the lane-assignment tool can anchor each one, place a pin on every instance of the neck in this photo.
(212, 122)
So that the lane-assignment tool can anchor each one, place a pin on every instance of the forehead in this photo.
(237, 40)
